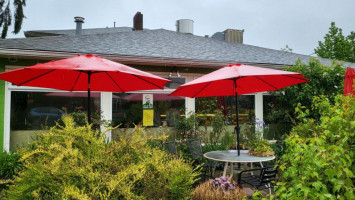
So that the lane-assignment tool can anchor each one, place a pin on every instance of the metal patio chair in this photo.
(196, 155)
(170, 147)
(265, 180)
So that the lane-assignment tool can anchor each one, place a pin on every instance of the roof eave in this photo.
(133, 60)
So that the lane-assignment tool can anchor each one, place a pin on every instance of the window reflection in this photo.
(127, 109)
(205, 108)
(34, 110)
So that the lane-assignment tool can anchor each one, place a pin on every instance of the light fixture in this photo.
(174, 69)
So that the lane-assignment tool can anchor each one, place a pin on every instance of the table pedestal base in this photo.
(231, 168)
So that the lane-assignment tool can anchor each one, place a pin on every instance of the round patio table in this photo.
(231, 156)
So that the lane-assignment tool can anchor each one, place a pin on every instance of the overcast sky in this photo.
(300, 24)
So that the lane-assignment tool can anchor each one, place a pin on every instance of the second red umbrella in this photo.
(237, 79)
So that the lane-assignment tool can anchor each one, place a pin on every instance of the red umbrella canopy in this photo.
(71, 74)
(239, 78)
(349, 82)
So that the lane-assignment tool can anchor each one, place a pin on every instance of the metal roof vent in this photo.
(230, 35)
(79, 21)
(185, 26)
(234, 35)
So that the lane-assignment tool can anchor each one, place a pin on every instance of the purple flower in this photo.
(224, 179)
(224, 184)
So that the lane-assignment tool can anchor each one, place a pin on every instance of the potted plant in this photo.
(262, 148)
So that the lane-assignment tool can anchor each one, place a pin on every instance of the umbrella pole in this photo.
(237, 128)
(89, 109)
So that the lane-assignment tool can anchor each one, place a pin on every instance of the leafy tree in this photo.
(336, 45)
(319, 159)
(324, 80)
(6, 17)
(286, 49)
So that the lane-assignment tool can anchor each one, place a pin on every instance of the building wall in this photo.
(2, 107)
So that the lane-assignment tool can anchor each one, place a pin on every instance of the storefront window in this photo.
(205, 107)
(127, 108)
(34, 110)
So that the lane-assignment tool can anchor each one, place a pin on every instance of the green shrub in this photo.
(218, 124)
(187, 128)
(319, 158)
(68, 162)
(324, 80)
(9, 167)
(9, 164)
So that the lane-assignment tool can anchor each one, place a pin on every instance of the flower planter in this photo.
(261, 154)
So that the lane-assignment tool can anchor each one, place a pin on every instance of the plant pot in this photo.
(242, 146)
(261, 154)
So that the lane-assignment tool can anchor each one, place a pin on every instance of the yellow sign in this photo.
(148, 117)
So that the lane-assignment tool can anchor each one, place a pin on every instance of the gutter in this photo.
(133, 60)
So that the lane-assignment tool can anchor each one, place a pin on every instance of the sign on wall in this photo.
(147, 101)
(148, 111)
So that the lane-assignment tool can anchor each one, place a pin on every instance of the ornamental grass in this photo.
(209, 191)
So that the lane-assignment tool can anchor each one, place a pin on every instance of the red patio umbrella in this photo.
(84, 73)
(237, 79)
(349, 82)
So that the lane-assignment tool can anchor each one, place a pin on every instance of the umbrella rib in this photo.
(201, 89)
(304, 79)
(281, 75)
(147, 81)
(76, 81)
(36, 77)
(115, 82)
(266, 82)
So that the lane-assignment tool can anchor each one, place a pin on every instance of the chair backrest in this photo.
(170, 147)
(281, 149)
(267, 175)
(195, 148)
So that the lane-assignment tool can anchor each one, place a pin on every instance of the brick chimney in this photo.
(138, 21)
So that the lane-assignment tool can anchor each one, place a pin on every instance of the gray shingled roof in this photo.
(159, 43)
(72, 32)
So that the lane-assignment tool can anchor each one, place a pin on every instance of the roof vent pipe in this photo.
(79, 21)
(185, 26)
